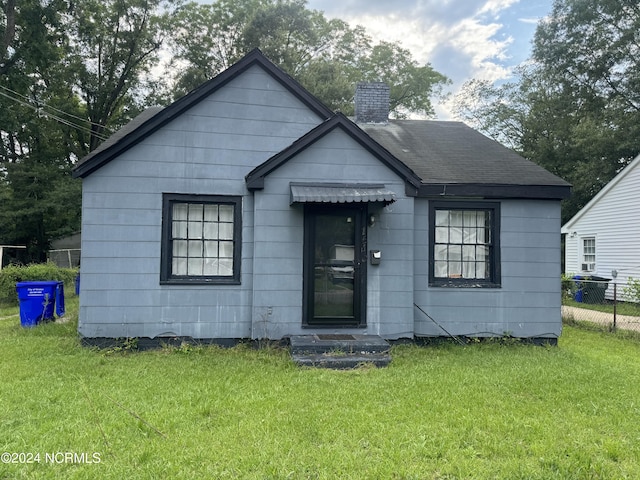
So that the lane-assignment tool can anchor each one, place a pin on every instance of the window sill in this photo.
(464, 284)
(201, 281)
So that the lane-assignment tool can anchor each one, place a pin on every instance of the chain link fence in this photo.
(612, 303)
(65, 258)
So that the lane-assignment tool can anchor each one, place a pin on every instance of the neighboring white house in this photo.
(604, 236)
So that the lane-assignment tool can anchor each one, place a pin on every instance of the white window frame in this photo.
(588, 253)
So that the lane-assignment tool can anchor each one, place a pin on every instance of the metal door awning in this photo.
(340, 193)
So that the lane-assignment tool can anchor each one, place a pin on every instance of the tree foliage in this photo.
(575, 107)
(73, 72)
(69, 72)
(327, 56)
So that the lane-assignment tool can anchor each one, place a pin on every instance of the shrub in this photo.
(569, 287)
(13, 274)
(632, 290)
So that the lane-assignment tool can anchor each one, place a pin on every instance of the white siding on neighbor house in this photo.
(613, 218)
(528, 302)
(207, 150)
(279, 238)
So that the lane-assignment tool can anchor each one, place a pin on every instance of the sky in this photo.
(462, 39)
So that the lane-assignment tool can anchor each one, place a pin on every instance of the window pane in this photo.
(211, 249)
(211, 213)
(179, 266)
(442, 218)
(469, 270)
(226, 267)
(180, 211)
(455, 235)
(455, 269)
(195, 211)
(226, 231)
(440, 269)
(470, 235)
(226, 213)
(470, 218)
(440, 252)
(179, 248)
(210, 231)
(455, 252)
(469, 252)
(442, 235)
(226, 249)
(455, 217)
(195, 229)
(194, 266)
(195, 249)
(179, 230)
(210, 266)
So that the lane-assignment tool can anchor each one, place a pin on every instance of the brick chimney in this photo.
(372, 102)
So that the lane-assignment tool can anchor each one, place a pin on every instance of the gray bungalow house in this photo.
(248, 209)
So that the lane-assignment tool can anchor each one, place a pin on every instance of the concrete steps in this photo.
(339, 351)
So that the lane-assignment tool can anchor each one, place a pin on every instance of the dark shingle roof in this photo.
(123, 132)
(442, 152)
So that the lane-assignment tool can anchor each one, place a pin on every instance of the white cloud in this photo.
(496, 6)
(530, 21)
(462, 39)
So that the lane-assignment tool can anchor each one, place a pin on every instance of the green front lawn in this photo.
(484, 411)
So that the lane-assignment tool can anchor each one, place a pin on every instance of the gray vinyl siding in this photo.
(279, 241)
(528, 302)
(207, 150)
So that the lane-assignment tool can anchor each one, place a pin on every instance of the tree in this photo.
(113, 44)
(69, 72)
(326, 56)
(36, 149)
(575, 108)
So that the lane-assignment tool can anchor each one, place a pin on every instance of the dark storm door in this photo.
(335, 266)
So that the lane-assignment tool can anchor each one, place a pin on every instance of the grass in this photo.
(483, 411)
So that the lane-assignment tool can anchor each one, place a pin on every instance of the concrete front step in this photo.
(341, 362)
(339, 351)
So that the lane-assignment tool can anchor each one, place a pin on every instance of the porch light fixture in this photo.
(372, 220)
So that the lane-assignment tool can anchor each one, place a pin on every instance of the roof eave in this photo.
(452, 190)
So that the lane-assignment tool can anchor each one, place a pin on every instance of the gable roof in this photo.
(435, 158)
(603, 192)
(255, 178)
(152, 119)
(451, 158)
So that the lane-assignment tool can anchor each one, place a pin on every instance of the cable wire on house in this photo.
(441, 327)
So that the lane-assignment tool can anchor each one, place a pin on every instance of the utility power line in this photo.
(39, 109)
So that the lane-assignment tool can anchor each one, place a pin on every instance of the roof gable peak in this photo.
(144, 128)
(255, 178)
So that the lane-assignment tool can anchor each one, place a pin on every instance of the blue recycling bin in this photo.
(591, 288)
(38, 300)
(579, 292)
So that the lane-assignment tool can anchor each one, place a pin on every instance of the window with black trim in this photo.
(464, 245)
(201, 239)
